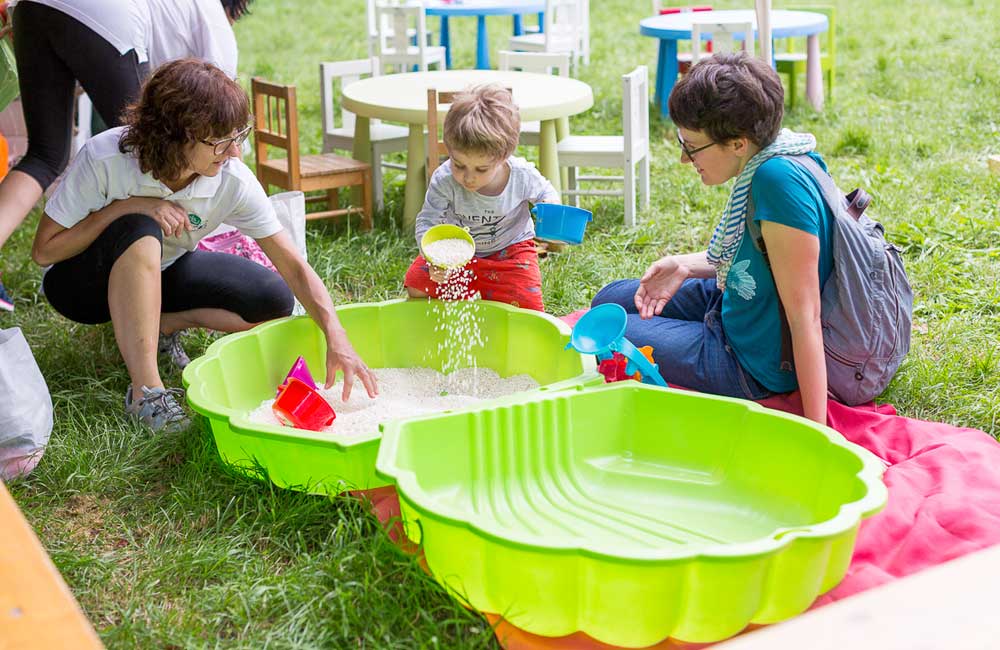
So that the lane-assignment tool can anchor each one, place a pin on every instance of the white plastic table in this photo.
(671, 28)
(403, 98)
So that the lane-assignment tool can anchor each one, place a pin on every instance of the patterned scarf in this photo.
(729, 231)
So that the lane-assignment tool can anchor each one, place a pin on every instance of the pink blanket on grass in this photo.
(944, 490)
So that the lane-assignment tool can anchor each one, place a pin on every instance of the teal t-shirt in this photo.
(785, 193)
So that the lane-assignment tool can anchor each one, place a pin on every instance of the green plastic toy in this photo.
(239, 371)
(630, 512)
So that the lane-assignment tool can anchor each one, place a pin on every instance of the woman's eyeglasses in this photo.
(220, 147)
(691, 152)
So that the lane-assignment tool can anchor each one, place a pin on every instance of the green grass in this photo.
(163, 548)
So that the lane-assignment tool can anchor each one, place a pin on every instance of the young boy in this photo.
(483, 188)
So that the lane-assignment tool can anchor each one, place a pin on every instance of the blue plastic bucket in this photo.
(561, 222)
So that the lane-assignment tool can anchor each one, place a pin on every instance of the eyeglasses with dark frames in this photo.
(691, 152)
(220, 147)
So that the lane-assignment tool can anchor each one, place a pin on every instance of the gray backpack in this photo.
(867, 303)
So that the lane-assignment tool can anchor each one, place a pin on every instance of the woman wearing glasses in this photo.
(121, 230)
(714, 317)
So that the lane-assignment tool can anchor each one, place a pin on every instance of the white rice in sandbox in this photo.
(405, 392)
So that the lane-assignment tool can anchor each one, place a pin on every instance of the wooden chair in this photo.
(435, 146)
(276, 125)
(792, 62)
(556, 63)
(615, 151)
(385, 138)
(723, 37)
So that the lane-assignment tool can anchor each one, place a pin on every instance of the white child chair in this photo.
(394, 23)
(373, 26)
(556, 63)
(385, 138)
(615, 151)
(566, 29)
(723, 36)
(84, 113)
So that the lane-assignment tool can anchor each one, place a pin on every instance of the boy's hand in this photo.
(438, 274)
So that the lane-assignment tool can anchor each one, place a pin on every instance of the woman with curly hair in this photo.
(121, 230)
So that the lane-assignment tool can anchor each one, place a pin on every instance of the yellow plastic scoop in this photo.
(448, 246)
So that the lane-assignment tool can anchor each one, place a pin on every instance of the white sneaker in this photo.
(158, 409)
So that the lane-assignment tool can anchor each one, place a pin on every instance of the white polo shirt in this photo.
(100, 174)
(123, 23)
(198, 28)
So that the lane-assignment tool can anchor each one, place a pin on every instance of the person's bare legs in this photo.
(415, 293)
(219, 320)
(134, 303)
(19, 192)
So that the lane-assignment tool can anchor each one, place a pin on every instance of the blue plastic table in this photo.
(671, 28)
(480, 9)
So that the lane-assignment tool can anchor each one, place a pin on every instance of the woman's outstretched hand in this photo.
(658, 285)
(341, 356)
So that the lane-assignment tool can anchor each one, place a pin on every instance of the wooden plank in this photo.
(37, 609)
(953, 605)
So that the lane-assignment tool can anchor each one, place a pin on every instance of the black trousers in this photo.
(78, 287)
(53, 51)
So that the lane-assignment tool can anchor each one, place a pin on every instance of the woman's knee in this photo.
(125, 231)
(272, 299)
(44, 166)
(620, 292)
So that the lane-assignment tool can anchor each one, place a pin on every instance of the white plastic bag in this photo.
(291, 210)
(25, 407)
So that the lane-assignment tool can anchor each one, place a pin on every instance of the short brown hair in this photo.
(483, 120)
(730, 96)
(185, 101)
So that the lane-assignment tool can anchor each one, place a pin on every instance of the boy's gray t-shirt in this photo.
(495, 222)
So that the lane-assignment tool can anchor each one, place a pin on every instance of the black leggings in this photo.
(78, 287)
(53, 51)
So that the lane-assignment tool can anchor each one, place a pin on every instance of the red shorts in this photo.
(511, 276)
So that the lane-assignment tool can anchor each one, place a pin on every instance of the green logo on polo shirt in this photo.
(196, 221)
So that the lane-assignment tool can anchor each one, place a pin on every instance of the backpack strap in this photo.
(853, 204)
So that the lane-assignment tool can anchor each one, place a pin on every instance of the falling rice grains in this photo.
(459, 322)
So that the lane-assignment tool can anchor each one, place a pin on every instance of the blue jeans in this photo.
(687, 338)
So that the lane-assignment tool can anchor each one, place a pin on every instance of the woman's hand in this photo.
(658, 285)
(173, 219)
(340, 355)
(308, 288)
